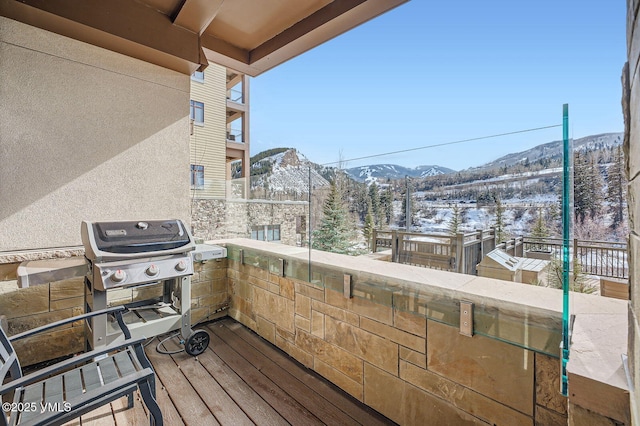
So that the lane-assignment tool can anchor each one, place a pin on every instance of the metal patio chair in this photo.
(68, 389)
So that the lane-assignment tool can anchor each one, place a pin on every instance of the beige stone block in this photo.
(286, 335)
(303, 306)
(274, 308)
(259, 283)
(579, 416)
(242, 318)
(219, 284)
(411, 323)
(348, 385)
(317, 324)
(22, 324)
(8, 271)
(305, 358)
(148, 292)
(242, 305)
(67, 289)
(72, 302)
(634, 118)
(200, 289)
(498, 370)
(406, 404)
(461, 397)
(398, 336)
(549, 418)
(25, 301)
(303, 323)
(337, 313)
(266, 329)
(46, 346)
(242, 289)
(287, 288)
(374, 349)
(413, 357)
(548, 384)
(274, 288)
(214, 301)
(341, 360)
(119, 296)
(309, 291)
(199, 315)
(259, 273)
(361, 307)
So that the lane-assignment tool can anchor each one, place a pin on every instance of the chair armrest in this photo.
(117, 310)
(136, 344)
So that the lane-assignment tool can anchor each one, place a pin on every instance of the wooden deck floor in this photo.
(241, 379)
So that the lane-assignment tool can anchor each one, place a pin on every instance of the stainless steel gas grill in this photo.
(135, 254)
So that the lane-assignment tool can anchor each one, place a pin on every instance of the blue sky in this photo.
(430, 72)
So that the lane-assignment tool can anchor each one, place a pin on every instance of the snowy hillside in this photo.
(382, 172)
(289, 173)
(553, 150)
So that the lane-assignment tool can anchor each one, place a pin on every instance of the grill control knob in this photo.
(181, 266)
(118, 276)
(152, 270)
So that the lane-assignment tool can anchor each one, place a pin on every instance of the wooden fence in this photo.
(462, 252)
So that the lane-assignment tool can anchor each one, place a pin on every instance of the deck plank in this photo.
(192, 409)
(285, 404)
(347, 403)
(306, 396)
(223, 407)
(258, 410)
(170, 414)
(135, 416)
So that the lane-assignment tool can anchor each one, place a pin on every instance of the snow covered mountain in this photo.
(286, 172)
(382, 172)
(553, 150)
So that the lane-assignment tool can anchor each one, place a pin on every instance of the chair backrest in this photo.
(9, 364)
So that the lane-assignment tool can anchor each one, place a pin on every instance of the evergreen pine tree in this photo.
(587, 187)
(374, 197)
(616, 186)
(454, 223)
(369, 226)
(335, 232)
(386, 206)
(499, 225)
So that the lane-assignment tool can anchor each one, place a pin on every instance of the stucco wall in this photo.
(631, 108)
(85, 134)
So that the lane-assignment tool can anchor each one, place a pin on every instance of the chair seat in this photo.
(66, 391)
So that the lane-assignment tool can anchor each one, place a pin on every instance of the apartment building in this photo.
(219, 131)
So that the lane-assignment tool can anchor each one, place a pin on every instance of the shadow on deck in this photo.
(241, 379)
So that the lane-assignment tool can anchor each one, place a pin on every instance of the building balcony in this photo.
(388, 335)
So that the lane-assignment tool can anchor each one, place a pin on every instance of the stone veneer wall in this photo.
(219, 218)
(411, 369)
(27, 308)
(631, 111)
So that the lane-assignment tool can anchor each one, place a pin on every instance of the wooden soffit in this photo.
(250, 36)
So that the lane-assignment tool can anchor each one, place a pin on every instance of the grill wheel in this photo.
(197, 342)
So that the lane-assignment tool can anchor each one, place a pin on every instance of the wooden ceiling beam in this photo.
(196, 15)
(123, 26)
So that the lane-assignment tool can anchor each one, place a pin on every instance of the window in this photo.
(197, 112)
(198, 76)
(197, 176)
(266, 233)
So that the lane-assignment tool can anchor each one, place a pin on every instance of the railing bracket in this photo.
(466, 318)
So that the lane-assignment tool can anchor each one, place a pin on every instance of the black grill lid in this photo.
(150, 237)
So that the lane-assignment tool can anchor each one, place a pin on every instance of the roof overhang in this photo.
(250, 36)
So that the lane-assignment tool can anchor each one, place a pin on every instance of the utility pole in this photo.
(408, 205)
